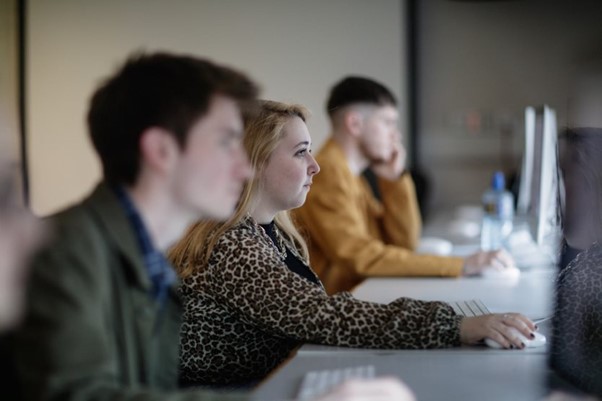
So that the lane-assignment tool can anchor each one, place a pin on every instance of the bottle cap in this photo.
(498, 182)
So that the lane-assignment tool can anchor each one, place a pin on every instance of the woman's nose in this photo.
(314, 167)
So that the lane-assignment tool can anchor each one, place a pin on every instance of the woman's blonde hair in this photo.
(264, 128)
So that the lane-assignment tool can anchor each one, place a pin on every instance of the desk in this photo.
(464, 373)
(432, 375)
(530, 294)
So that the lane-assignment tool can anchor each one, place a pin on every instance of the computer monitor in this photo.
(538, 200)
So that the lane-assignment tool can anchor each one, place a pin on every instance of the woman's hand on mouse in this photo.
(497, 327)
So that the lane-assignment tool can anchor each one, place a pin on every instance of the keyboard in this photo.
(473, 307)
(319, 382)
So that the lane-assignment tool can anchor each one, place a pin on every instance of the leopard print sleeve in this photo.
(247, 275)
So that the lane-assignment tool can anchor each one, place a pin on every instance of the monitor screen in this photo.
(538, 194)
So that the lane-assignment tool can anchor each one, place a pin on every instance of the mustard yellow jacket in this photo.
(352, 235)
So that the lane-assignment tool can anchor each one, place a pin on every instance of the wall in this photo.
(8, 76)
(481, 64)
(295, 49)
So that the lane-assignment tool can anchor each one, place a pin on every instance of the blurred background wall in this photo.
(9, 117)
(295, 49)
(478, 65)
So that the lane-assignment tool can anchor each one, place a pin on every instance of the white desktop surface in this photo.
(431, 375)
(530, 294)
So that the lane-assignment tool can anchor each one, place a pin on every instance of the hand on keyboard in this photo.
(382, 389)
(497, 327)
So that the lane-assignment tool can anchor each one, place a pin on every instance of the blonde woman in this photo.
(250, 296)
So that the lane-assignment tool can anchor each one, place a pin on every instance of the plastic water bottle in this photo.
(498, 212)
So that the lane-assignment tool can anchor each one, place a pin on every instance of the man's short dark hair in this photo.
(155, 90)
(352, 90)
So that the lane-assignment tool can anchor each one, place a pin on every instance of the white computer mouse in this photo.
(510, 272)
(538, 341)
(434, 246)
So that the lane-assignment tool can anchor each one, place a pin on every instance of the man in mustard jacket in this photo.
(103, 318)
(353, 235)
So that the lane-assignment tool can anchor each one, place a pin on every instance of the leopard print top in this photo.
(576, 351)
(247, 311)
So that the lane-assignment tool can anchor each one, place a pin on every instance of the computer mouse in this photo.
(434, 246)
(538, 341)
(510, 272)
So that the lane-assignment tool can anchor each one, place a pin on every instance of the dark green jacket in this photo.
(92, 331)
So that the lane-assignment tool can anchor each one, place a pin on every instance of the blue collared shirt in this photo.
(159, 270)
